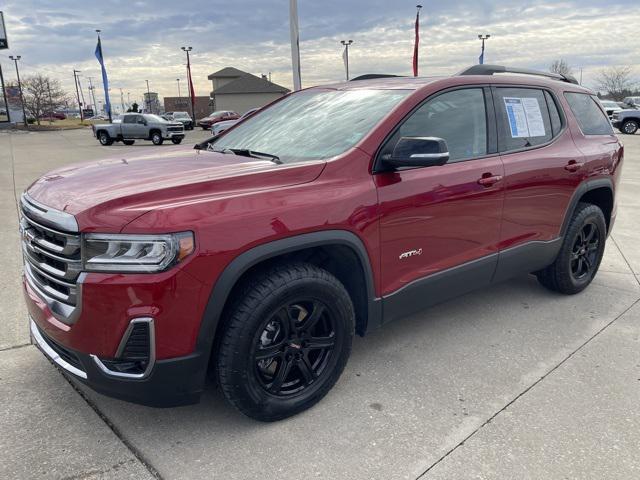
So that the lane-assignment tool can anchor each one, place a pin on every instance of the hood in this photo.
(108, 194)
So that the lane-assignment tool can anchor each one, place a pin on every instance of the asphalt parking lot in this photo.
(512, 381)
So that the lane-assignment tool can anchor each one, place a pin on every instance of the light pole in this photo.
(75, 79)
(178, 80)
(190, 81)
(24, 112)
(92, 89)
(121, 101)
(148, 96)
(483, 38)
(345, 56)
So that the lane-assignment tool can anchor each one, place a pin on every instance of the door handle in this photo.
(573, 166)
(489, 180)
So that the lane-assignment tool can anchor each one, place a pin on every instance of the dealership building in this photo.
(240, 91)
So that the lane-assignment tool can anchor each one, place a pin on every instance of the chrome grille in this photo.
(175, 129)
(52, 256)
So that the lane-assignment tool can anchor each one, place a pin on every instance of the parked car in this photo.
(220, 127)
(184, 118)
(136, 126)
(333, 211)
(215, 117)
(53, 116)
(610, 107)
(631, 102)
(627, 121)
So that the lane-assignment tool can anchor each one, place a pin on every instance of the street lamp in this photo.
(148, 96)
(191, 95)
(483, 38)
(24, 112)
(346, 44)
(178, 80)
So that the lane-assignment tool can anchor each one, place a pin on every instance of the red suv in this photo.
(256, 256)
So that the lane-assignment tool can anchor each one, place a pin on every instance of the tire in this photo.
(176, 141)
(156, 138)
(128, 142)
(580, 254)
(629, 127)
(301, 361)
(104, 139)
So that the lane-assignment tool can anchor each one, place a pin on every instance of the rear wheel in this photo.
(286, 342)
(581, 253)
(105, 139)
(156, 138)
(629, 127)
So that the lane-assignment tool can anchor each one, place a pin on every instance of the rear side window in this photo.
(590, 117)
(523, 118)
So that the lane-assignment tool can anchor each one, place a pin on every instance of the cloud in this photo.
(142, 39)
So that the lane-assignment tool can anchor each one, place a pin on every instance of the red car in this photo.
(216, 117)
(333, 211)
(53, 116)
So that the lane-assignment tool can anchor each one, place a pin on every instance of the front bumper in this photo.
(169, 383)
(616, 123)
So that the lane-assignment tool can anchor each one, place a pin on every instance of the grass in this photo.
(66, 124)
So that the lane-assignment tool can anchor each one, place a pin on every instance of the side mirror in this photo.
(419, 152)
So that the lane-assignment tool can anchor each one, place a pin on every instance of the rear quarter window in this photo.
(589, 115)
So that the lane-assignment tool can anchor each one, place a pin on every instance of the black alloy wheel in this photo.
(286, 340)
(584, 254)
(580, 254)
(294, 348)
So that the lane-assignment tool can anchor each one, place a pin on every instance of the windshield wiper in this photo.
(253, 154)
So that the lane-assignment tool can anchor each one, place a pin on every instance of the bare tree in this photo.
(42, 95)
(617, 82)
(560, 66)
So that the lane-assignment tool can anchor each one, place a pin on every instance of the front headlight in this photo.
(134, 253)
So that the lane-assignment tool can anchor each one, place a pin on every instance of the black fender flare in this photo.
(243, 262)
(583, 188)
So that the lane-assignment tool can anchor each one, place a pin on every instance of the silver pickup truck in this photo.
(627, 121)
(138, 126)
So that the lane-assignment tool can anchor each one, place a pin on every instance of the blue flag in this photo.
(105, 80)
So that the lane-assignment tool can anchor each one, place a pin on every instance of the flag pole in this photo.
(295, 44)
(416, 41)
(105, 80)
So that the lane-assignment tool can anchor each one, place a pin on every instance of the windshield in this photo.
(154, 118)
(180, 115)
(312, 124)
(609, 104)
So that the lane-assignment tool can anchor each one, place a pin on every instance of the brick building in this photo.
(183, 104)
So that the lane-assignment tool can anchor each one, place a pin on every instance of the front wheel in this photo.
(156, 138)
(581, 253)
(629, 127)
(286, 341)
(176, 141)
(105, 139)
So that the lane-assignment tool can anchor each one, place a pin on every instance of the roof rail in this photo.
(491, 69)
(370, 76)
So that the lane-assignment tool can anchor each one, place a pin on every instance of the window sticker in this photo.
(525, 117)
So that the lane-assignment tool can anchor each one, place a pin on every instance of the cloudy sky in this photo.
(142, 39)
